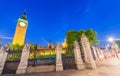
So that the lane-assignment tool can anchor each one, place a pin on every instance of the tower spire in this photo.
(24, 15)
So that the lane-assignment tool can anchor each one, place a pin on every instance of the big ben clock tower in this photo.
(20, 32)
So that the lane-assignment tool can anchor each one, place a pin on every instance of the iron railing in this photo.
(37, 59)
(12, 62)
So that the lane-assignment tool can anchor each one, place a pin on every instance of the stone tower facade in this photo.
(20, 32)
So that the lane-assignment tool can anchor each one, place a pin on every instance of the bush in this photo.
(16, 47)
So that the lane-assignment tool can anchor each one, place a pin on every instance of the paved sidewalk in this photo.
(109, 67)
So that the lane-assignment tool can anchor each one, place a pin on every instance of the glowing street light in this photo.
(110, 39)
(108, 45)
(114, 46)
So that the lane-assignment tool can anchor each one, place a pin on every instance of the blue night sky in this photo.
(50, 19)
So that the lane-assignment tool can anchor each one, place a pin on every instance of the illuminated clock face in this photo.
(22, 24)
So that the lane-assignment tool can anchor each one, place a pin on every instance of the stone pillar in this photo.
(107, 53)
(115, 49)
(3, 57)
(90, 63)
(59, 65)
(95, 53)
(99, 53)
(78, 59)
(24, 60)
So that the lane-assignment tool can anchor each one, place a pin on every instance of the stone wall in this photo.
(42, 68)
(88, 57)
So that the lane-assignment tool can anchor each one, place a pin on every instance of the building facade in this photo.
(20, 32)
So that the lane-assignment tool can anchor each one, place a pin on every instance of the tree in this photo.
(92, 36)
(33, 46)
(16, 47)
(72, 35)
